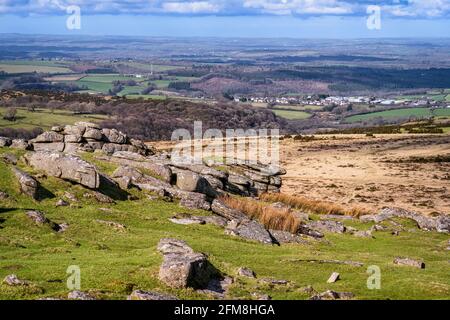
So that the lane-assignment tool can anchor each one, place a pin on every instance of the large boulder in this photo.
(66, 167)
(48, 137)
(182, 267)
(28, 185)
(193, 182)
(114, 136)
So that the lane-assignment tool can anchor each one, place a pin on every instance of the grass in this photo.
(45, 119)
(399, 114)
(292, 115)
(299, 107)
(270, 217)
(28, 68)
(313, 206)
(115, 263)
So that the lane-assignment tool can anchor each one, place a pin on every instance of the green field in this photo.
(45, 119)
(146, 96)
(299, 107)
(292, 115)
(114, 263)
(28, 68)
(400, 114)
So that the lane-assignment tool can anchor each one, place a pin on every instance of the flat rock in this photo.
(250, 230)
(333, 295)
(333, 278)
(363, 234)
(150, 295)
(13, 280)
(327, 226)
(286, 237)
(80, 295)
(409, 262)
(67, 167)
(246, 272)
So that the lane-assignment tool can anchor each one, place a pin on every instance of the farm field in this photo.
(292, 115)
(299, 107)
(400, 113)
(45, 119)
(28, 68)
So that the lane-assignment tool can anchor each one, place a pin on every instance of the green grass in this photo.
(399, 114)
(299, 107)
(292, 115)
(45, 119)
(32, 66)
(114, 263)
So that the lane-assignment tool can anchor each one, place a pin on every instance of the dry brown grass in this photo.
(270, 217)
(313, 206)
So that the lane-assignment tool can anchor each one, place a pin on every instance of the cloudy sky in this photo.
(246, 18)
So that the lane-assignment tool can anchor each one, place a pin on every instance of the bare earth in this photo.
(352, 170)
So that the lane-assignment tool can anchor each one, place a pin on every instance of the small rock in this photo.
(38, 217)
(115, 225)
(334, 277)
(395, 233)
(333, 295)
(274, 282)
(61, 203)
(63, 227)
(308, 290)
(378, 227)
(5, 142)
(363, 234)
(28, 185)
(13, 280)
(148, 295)
(79, 295)
(3, 195)
(246, 272)
(327, 226)
(9, 158)
(409, 262)
(261, 296)
(186, 219)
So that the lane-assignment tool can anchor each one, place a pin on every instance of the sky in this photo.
(229, 18)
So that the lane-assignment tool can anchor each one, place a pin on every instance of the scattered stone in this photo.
(334, 277)
(187, 219)
(102, 198)
(9, 158)
(363, 234)
(62, 203)
(326, 226)
(79, 295)
(378, 227)
(13, 280)
(5, 142)
(274, 282)
(246, 272)
(3, 195)
(28, 185)
(333, 295)
(261, 296)
(409, 262)
(182, 267)
(286, 237)
(150, 295)
(308, 290)
(115, 225)
(249, 229)
(37, 217)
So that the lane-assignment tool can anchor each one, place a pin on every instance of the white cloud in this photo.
(393, 8)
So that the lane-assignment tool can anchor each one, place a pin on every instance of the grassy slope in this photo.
(114, 263)
(292, 115)
(399, 113)
(45, 119)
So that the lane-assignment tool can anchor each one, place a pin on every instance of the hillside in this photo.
(110, 216)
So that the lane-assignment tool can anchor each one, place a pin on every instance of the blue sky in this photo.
(231, 18)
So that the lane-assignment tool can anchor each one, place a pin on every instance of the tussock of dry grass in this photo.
(270, 217)
(313, 206)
